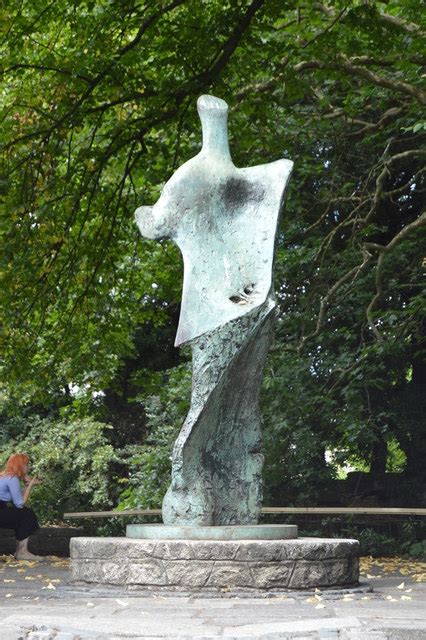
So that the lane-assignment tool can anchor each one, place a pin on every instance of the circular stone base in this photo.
(231, 532)
(213, 566)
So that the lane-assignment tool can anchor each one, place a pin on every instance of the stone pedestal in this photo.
(221, 532)
(215, 566)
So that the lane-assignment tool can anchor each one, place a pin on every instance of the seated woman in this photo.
(16, 515)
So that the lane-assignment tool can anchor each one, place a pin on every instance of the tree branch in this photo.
(206, 78)
(408, 27)
(385, 250)
(100, 76)
(261, 87)
(387, 117)
(381, 178)
(352, 69)
(42, 67)
(325, 300)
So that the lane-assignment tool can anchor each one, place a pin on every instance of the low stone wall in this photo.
(208, 566)
(48, 541)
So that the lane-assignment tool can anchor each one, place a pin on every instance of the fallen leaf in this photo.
(401, 586)
(61, 563)
(5, 558)
(5, 580)
(123, 604)
(90, 604)
(406, 598)
(408, 590)
(401, 566)
(320, 606)
(49, 586)
(9, 595)
(29, 578)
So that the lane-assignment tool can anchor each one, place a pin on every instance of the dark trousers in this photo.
(23, 520)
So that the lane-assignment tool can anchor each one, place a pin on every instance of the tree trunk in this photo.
(379, 456)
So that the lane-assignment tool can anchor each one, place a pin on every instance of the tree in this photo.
(99, 111)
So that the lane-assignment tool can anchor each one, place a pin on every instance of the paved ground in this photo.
(37, 603)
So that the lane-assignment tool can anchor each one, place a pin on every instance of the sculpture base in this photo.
(231, 532)
(213, 566)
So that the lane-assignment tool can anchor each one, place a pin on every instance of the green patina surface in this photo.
(224, 220)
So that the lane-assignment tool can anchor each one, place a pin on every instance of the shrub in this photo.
(72, 457)
(150, 463)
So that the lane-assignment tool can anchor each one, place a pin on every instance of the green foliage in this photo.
(377, 540)
(150, 464)
(72, 457)
(396, 459)
(99, 109)
(418, 550)
(376, 544)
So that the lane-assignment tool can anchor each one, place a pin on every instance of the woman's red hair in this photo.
(15, 465)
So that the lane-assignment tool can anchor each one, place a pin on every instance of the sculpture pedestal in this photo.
(215, 566)
(217, 532)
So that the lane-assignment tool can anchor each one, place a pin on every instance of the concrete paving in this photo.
(38, 603)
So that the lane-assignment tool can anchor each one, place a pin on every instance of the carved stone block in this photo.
(213, 566)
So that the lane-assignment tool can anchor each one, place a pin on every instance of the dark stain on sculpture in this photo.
(237, 192)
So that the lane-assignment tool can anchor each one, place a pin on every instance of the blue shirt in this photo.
(10, 490)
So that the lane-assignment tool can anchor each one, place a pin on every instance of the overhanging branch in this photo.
(383, 251)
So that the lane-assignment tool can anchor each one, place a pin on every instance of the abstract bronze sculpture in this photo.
(224, 220)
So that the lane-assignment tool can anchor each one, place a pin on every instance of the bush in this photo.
(72, 457)
(418, 550)
(150, 463)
